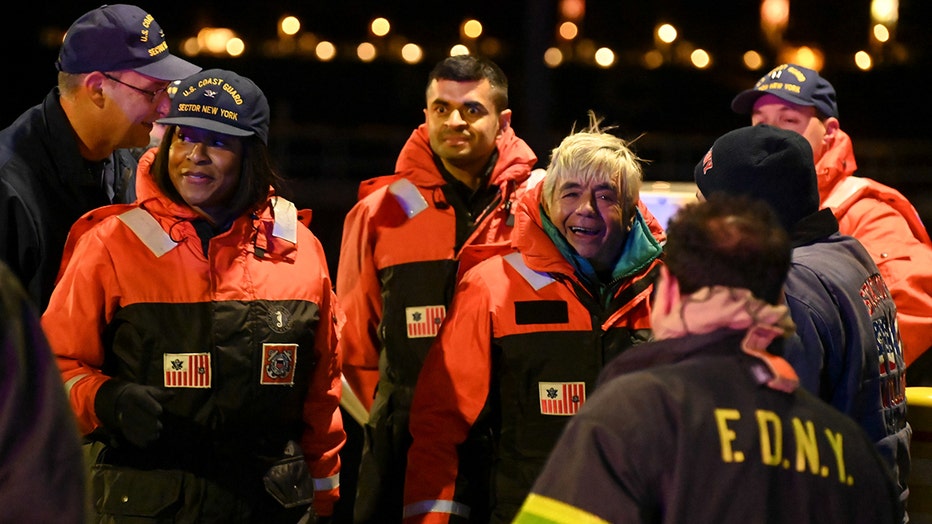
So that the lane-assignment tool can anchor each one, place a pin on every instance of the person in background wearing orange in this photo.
(798, 99)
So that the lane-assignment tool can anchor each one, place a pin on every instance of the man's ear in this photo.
(832, 125)
(504, 121)
(93, 84)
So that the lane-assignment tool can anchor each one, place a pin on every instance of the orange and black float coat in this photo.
(245, 337)
(399, 257)
(518, 354)
(891, 230)
(398, 264)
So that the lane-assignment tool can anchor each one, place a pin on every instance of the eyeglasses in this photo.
(151, 94)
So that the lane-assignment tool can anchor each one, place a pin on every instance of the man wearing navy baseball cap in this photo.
(70, 153)
(799, 99)
(119, 37)
(844, 315)
(792, 83)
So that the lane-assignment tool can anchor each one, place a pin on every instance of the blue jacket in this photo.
(847, 349)
(45, 186)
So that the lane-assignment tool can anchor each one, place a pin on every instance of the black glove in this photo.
(132, 409)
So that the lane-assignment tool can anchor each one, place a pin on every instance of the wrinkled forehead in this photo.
(586, 178)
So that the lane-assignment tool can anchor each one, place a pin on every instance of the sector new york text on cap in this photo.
(222, 101)
(793, 83)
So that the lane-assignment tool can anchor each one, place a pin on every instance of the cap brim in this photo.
(203, 123)
(169, 68)
(744, 102)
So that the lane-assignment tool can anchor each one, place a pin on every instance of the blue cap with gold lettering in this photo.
(793, 83)
(221, 101)
(119, 37)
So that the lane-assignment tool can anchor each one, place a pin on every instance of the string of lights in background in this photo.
(570, 45)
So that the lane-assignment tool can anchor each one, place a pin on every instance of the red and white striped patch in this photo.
(561, 398)
(186, 370)
(424, 321)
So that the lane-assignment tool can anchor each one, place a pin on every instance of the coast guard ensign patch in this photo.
(278, 361)
(561, 398)
(186, 370)
(424, 321)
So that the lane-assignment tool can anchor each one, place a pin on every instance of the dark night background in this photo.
(337, 123)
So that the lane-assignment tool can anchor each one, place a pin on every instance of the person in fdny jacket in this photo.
(706, 424)
(847, 349)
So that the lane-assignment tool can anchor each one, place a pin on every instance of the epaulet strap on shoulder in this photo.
(147, 228)
(408, 196)
(535, 279)
(844, 190)
(286, 220)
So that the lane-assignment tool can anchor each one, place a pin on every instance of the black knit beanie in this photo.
(763, 162)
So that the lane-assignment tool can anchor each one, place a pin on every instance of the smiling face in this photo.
(205, 167)
(589, 214)
(463, 124)
(590, 193)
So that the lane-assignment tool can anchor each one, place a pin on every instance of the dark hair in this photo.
(731, 241)
(257, 174)
(468, 68)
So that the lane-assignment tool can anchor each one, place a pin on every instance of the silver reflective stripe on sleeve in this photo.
(843, 190)
(72, 381)
(437, 506)
(148, 230)
(328, 483)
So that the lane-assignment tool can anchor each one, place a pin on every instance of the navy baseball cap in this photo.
(766, 163)
(793, 83)
(117, 37)
(221, 101)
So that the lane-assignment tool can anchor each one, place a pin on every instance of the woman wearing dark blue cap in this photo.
(196, 330)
